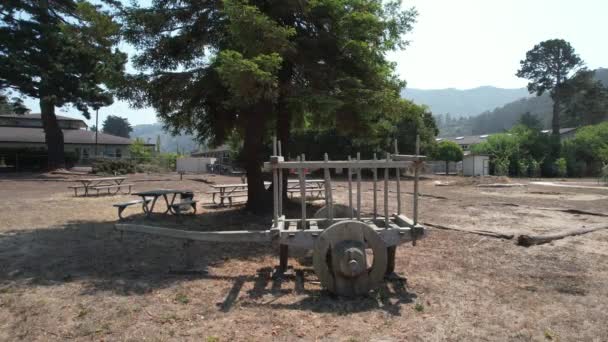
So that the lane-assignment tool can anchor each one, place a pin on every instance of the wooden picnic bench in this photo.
(186, 200)
(122, 206)
(101, 183)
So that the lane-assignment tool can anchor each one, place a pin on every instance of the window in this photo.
(118, 153)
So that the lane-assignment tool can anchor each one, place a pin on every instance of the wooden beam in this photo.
(214, 236)
(338, 164)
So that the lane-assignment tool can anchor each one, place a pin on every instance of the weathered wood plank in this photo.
(531, 240)
(213, 236)
(338, 164)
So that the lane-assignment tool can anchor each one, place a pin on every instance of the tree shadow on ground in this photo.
(268, 290)
(106, 260)
(101, 259)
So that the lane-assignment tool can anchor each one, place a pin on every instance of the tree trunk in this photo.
(555, 124)
(283, 135)
(284, 117)
(53, 135)
(257, 196)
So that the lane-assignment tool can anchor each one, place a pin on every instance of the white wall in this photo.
(475, 166)
(193, 164)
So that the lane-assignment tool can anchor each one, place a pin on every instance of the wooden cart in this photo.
(352, 252)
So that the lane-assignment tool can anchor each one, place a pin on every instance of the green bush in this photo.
(523, 167)
(587, 152)
(561, 167)
(534, 168)
(501, 167)
(113, 167)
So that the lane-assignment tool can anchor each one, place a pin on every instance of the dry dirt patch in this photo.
(65, 274)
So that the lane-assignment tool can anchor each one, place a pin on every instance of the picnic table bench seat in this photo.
(122, 206)
(76, 187)
(184, 205)
(113, 186)
(221, 194)
(230, 196)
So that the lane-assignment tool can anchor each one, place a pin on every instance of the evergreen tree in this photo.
(264, 67)
(548, 66)
(116, 125)
(60, 52)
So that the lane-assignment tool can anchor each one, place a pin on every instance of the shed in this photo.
(476, 165)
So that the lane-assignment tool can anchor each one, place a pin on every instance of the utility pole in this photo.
(96, 129)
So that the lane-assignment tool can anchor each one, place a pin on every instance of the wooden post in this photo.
(350, 190)
(283, 258)
(328, 193)
(416, 176)
(375, 170)
(303, 194)
(280, 183)
(358, 187)
(388, 156)
(398, 171)
(275, 185)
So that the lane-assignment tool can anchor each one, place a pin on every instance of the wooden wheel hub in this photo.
(340, 259)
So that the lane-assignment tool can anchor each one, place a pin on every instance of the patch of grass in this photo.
(551, 335)
(212, 339)
(82, 311)
(419, 307)
(182, 298)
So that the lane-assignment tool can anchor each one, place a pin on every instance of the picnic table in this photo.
(311, 185)
(150, 197)
(229, 191)
(100, 183)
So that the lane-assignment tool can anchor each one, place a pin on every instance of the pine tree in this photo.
(60, 52)
(260, 68)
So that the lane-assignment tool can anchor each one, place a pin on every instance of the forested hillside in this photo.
(168, 143)
(463, 103)
(504, 117)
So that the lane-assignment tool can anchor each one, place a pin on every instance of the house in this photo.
(20, 133)
(476, 165)
(221, 156)
(465, 142)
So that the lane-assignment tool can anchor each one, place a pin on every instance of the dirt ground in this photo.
(66, 274)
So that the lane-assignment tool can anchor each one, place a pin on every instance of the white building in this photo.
(476, 165)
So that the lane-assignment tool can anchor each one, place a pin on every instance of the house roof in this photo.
(221, 148)
(70, 136)
(476, 139)
(466, 140)
(561, 130)
(37, 116)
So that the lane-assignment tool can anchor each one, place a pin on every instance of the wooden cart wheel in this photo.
(340, 260)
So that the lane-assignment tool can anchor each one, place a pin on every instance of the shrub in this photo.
(501, 166)
(534, 167)
(113, 167)
(522, 167)
(561, 168)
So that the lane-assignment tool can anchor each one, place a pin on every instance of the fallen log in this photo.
(500, 185)
(565, 210)
(477, 232)
(531, 240)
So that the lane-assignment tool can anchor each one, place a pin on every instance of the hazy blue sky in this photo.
(470, 43)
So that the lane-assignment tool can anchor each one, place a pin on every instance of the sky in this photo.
(466, 44)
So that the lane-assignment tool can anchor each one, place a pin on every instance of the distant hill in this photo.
(459, 103)
(168, 143)
(505, 117)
